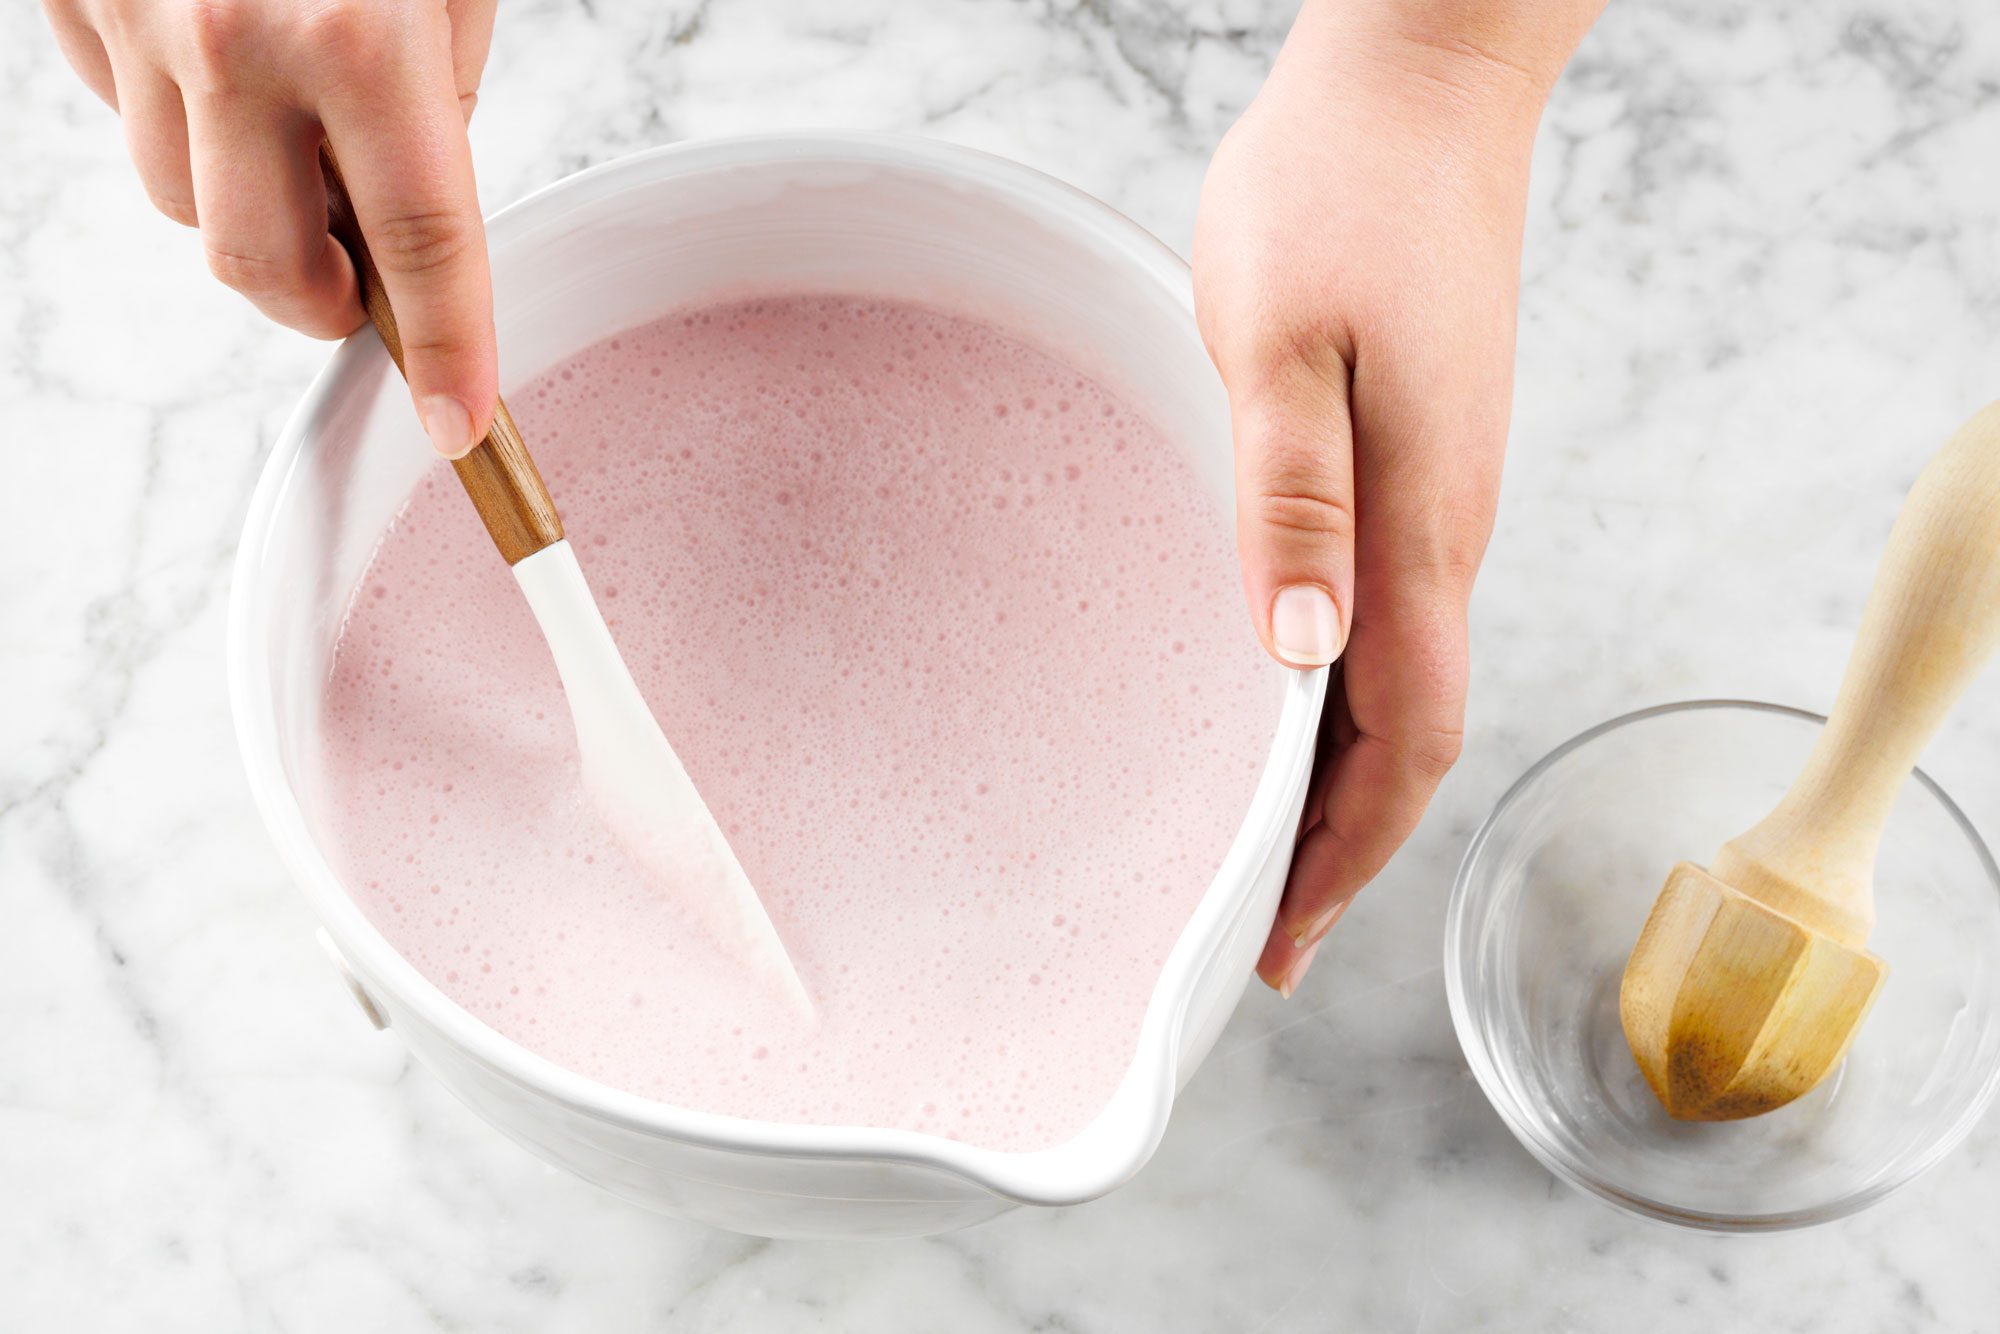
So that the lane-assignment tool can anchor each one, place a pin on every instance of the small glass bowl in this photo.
(1551, 897)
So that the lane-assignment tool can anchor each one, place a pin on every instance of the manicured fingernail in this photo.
(1297, 972)
(1305, 628)
(449, 426)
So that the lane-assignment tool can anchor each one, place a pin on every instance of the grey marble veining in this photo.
(1762, 281)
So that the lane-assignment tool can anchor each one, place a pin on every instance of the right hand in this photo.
(225, 103)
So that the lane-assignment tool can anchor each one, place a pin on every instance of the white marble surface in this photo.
(1763, 280)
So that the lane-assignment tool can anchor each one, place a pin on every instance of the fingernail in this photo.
(1297, 972)
(1315, 930)
(1305, 629)
(449, 426)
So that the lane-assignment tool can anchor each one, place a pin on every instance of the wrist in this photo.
(1500, 57)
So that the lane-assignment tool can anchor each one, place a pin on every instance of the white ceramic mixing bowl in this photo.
(613, 247)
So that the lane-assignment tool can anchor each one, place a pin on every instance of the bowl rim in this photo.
(1090, 1164)
(1457, 954)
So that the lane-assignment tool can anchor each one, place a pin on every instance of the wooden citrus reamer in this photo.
(1751, 978)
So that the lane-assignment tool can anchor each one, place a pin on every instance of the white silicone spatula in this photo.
(630, 771)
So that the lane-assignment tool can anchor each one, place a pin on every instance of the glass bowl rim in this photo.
(1457, 953)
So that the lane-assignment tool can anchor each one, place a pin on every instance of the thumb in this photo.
(1295, 508)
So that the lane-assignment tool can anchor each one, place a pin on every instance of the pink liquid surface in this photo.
(949, 640)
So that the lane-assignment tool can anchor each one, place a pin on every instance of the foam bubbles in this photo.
(952, 645)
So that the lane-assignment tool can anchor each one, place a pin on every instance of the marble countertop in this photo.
(1762, 283)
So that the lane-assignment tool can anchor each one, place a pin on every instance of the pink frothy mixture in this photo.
(949, 639)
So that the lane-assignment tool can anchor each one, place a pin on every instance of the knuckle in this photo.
(435, 349)
(416, 242)
(1433, 752)
(1302, 498)
(1437, 669)
(1459, 567)
(1450, 568)
(1292, 354)
(252, 275)
(1449, 563)
(218, 32)
(350, 38)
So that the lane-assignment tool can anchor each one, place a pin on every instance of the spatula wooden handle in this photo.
(499, 474)
(1932, 621)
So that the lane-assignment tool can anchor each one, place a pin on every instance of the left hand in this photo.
(1356, 262)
